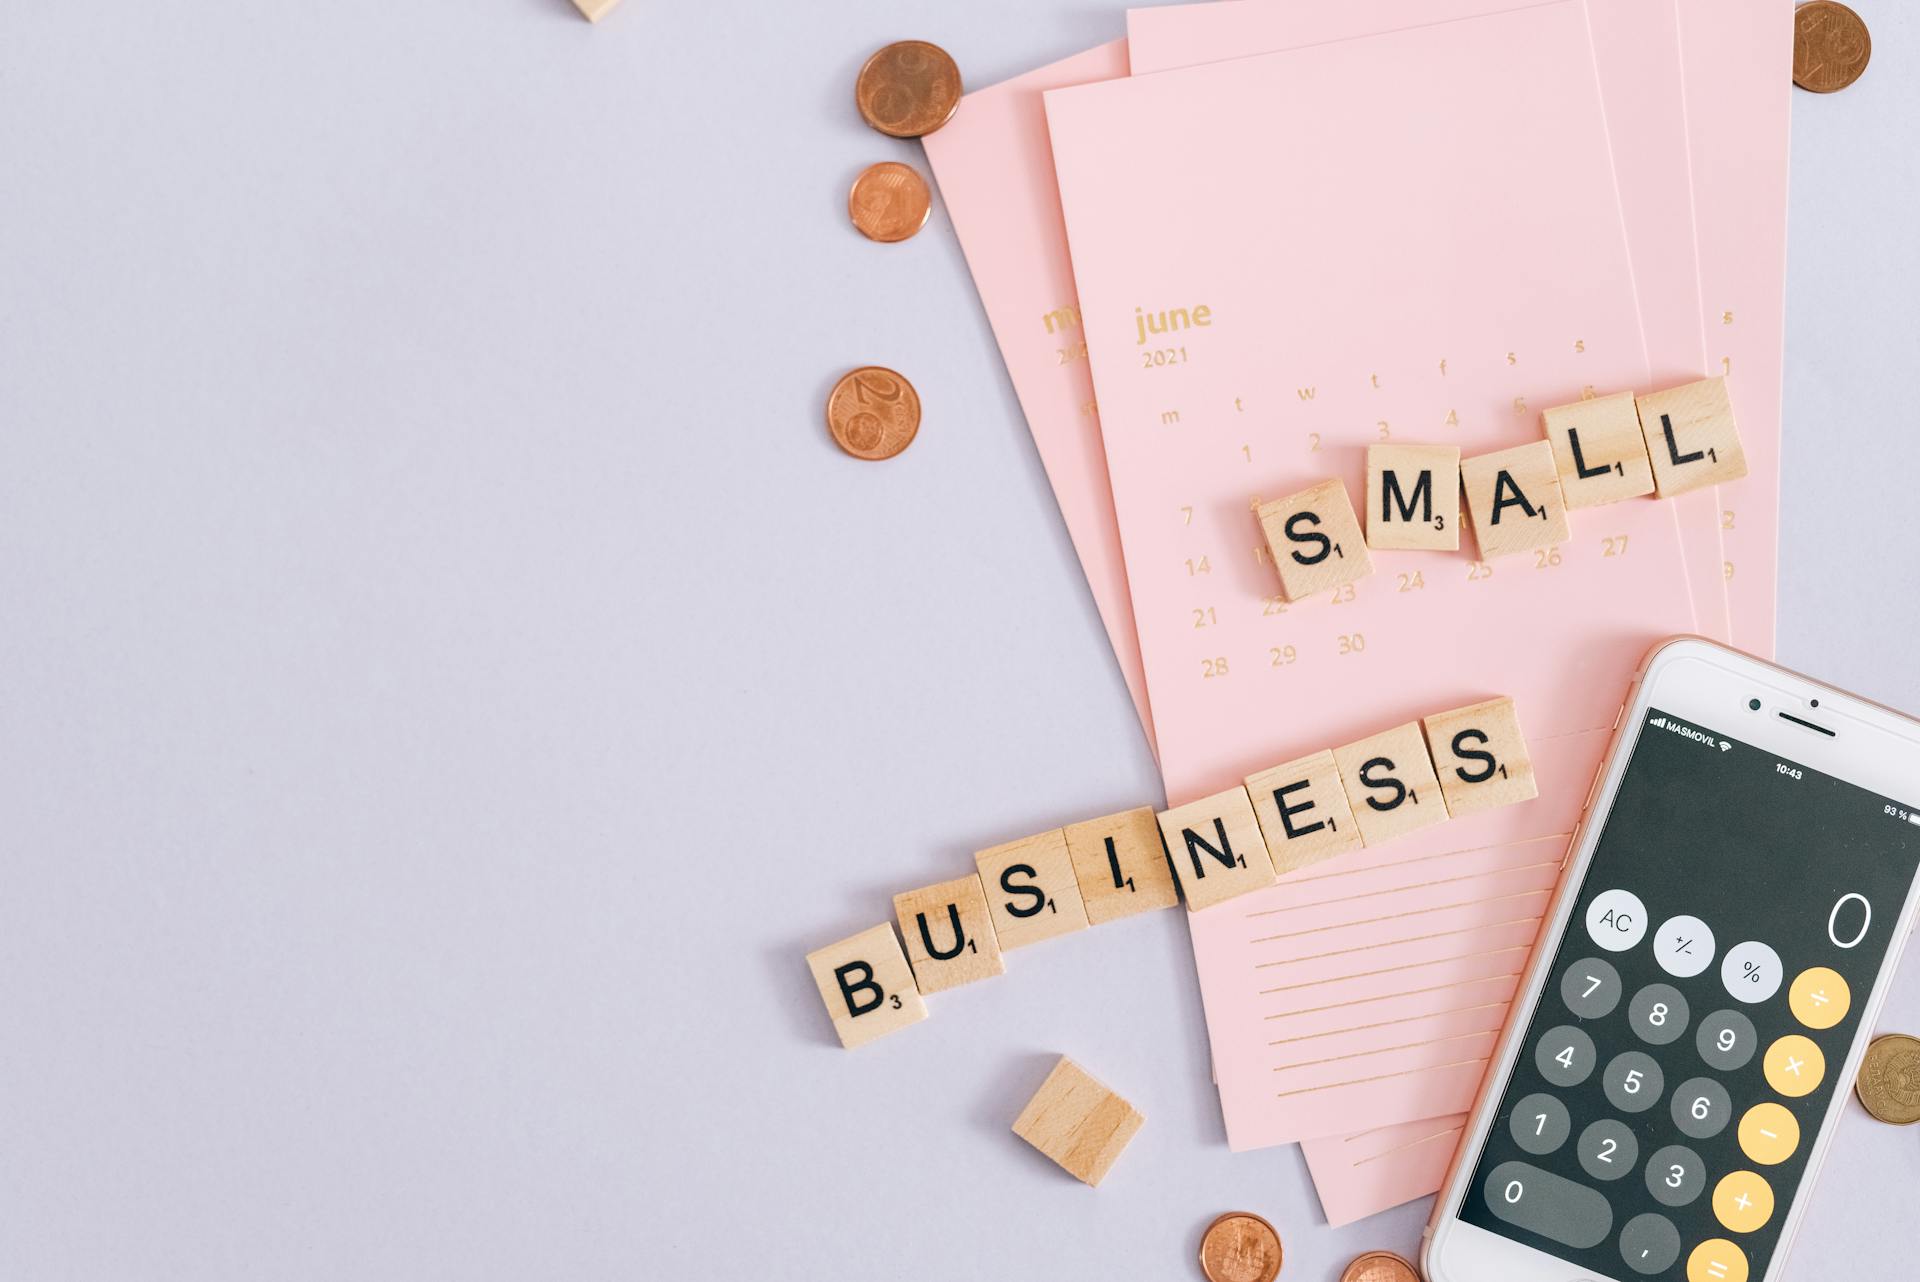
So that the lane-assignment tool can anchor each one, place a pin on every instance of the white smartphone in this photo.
(1691, 1022)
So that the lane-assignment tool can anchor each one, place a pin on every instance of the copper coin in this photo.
(873, 413)
(1240, 1247)
(1379, 1266)
(889, 202)
(1830, 46)
(908, 89)
(1889, 1081)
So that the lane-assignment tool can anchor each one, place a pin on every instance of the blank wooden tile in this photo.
(1121, 865)
(1390, 783)
(1078, 1122)
(1599, 451)
(1514, 499)
(1481, 756)
(949, 934)
(596, 9)
(1031, 890)
(1315, 540)
(1691, 437)
(867, 986)
(1216, 847)
(1303, 812)
(1413, 497)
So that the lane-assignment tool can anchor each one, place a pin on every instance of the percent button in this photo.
(1751, 971)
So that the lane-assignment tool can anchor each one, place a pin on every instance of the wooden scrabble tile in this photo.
(596, 9)
(1390, 783)
(1514, 499)
(1216, 848)
(1598, 450)
(1078, 1122)
(1315, 540)
(1413, 497)
(1481, 757)
(1031, 890)
(1691, 437)
(1121, 865)
(1303, 812)
(949, 934)
(867, 986)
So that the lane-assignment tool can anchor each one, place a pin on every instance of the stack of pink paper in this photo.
(1405, 220)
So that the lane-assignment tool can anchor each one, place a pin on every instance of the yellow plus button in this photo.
(1819, 998)
(1794, 1065)
(1717, 1260)
(1742, 1201)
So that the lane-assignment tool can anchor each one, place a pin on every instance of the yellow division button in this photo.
(1717, 1260)
(1794, 1065)
(1743, 1202)
(1819, 997)
(1769, 1134)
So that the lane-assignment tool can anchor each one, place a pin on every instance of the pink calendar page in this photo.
(994, 165)
(1737, 59)
(1637, 60)
(1364, 223)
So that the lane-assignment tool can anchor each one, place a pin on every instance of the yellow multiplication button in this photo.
(1769, 1133)
(1794, 1065)
(1717, 1260)
(1742, 1201)
(1819, 998)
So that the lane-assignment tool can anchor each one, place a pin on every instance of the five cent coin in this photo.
(908, 89)
(1240, 1247)
(1379, 1266)
(1889, 1082)
(889, 202)
(873, 413)
(1830, 46)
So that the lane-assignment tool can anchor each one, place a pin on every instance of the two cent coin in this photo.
(908, 89)
(873, 413)
(1830, 46)
(1240, 1247)
(1889, 1081)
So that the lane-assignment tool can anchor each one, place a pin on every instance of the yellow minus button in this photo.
(1769, 1133)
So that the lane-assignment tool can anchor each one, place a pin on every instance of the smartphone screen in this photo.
(1687, 1042)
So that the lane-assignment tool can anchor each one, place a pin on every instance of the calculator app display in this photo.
(1704, 996)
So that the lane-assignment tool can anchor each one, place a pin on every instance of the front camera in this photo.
(1754, 704)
